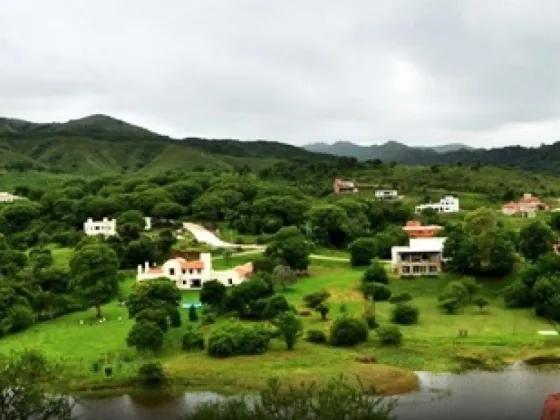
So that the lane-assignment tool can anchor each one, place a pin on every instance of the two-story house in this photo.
(106, 227)
(191, 274)
(422, 257)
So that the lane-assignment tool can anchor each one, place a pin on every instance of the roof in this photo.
(427, 227)
(155, 270)
(244, 270)
(510, 205)
(190, 264)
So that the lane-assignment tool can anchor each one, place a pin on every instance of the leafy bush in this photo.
(21, 318)
(400, 297)
(238, 339)
(175, 318)
(376, 273)
(209, 318)
(157, 316)
(290, 327)
(145, 335)
(348, 331)
(404, 314)
(337, 400)
(362, 251)
(316, 336)
(192, 340)
(376, 291)
(151, 375)
(313, 300)
(389, 335)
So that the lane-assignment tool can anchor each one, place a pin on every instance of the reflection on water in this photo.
(517, 393)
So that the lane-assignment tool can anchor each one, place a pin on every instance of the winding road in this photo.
(203, 235)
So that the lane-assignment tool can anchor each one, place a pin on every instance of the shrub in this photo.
(22, 318)
(376, 291)
(389, 335)
(290, 327)
(316, 336)
(404, 314)
(96, 366)
(449, 306)
(481, 302)
(400, 297)
(275, 305)
(348, 331)
(238, 339)
(208, 318)
(323, 310)
(151, 375)
(313, 300)
(376, 273)
(145, 335)
(337, 400)
(157, 316)
(193, 316)
(192, 340)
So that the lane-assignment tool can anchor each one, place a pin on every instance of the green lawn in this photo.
(431, 345)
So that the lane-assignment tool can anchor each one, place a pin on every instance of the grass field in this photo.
(433, 344)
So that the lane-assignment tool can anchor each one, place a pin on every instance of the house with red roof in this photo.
(192, 273)
(415, 229)
(527, 206)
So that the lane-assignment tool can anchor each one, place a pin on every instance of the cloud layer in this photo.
(421, 72)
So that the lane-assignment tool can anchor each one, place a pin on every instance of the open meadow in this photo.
(495, 334)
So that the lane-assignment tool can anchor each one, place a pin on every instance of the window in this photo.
(405, 269)
(195, 283)
(199, 271)
(184, 271)
(171, 271)
(230, 281)
(416, 269)
(191, 271)
(184, 282)
(433, 269)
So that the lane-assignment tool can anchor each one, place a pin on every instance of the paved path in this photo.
(201, 234)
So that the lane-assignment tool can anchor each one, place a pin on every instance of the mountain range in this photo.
(102, 144)
(389, 151)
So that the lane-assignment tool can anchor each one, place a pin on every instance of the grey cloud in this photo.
(433, 71)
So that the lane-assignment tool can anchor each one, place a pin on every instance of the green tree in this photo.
(404, 314)
(330, 225)
(26, 391)
(156, 315)
(130, 225)
(193, 316)
(145, 335)
(213, 293)
(284, 276)
(289, 247)
(376, 273)
(536, 239)
(94, 271)
(348, 331)
(481, 302)
(323, 310)
(168, 210)
(362, 251)
(290, 327)
(157, 293)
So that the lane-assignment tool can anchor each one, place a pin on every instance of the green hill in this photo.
(102, 144)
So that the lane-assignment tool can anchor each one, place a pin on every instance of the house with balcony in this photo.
(388, 195)
(344, 187)
(192, 273)
(422, 257)
(527, 206)
(415, 229)
(447, 204)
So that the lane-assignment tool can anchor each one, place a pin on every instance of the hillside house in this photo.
(415, 229)
(447, 204)
(422, 257)
(106, 227)
(6, 197)
(193, 273)
(344, 187)
(527, 206)
(387, 194)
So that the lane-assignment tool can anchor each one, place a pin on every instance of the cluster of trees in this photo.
(154, 306)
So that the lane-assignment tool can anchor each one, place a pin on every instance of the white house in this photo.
(447, 204)
(193, 274)
(422, 257)
(6, 197)
(107, 227)
(386, 194)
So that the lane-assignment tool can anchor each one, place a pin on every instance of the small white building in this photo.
(422, 257)
(148, 223)
(387, 194)
(193, 274)
(106, 227)
(447, 204)
(6, 197)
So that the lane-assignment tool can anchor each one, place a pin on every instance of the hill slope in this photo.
(99, 143)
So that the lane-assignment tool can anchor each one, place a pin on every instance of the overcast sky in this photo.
(482, 72)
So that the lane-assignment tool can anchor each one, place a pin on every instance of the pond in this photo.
(516, 393)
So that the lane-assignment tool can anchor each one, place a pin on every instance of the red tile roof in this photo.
(155, 270)
(199, 265)
(244, 270)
